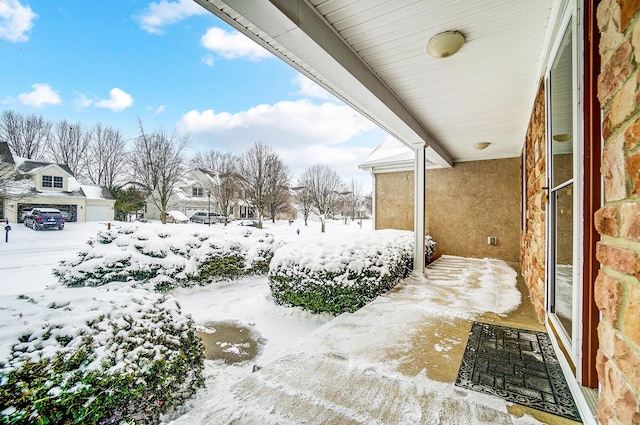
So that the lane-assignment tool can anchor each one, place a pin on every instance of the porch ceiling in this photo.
(372, 55)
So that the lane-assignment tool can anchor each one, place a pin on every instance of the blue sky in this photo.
(174, 66)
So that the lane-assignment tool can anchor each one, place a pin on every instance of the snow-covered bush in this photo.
(161, 258)
(95, 355)
(338, 274)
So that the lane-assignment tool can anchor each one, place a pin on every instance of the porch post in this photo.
(373, 199)
(418, 215)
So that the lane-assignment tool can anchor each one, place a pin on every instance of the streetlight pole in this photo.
(209, 212)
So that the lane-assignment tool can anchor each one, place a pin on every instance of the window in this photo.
(52, 181)
(197, 191)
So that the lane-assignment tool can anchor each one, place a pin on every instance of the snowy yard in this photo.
(29, 256)
(245, 328)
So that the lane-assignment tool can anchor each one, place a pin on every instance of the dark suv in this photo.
(41, 218)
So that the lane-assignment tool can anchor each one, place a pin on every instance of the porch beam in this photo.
(296, 33)
(418, 222)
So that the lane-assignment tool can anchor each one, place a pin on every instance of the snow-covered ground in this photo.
(26, 262)
(27, 259)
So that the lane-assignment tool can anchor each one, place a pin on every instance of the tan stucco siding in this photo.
(54, 172)
(394, 200)
(464, 206)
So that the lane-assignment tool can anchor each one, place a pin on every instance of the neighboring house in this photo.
(194, 193)
(535, 127)
(45, 184)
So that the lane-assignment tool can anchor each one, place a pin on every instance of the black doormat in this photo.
(518, 366)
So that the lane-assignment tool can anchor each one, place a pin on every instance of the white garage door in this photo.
(97, 213)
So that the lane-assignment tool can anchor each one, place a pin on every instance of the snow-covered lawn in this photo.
(29, 256)
(246, 308)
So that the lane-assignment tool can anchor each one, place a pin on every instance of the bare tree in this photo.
(212, 160)
(353, 198)
(324, 186)
(27, 136)
(107, 156)
(261, 170)
(159, 164)
(223, 171)
(278, 198)
(69, 145)
(304, 201)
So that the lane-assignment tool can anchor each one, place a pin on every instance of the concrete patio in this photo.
(395, 361)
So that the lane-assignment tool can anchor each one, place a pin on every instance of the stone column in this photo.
(617, 287)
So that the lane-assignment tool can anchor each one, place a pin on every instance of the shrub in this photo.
(151, 256)
(95, 355)
(335, 275)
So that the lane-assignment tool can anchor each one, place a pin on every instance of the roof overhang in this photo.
(293, 31)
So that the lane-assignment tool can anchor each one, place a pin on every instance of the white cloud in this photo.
(81, 101)
(208, 60)
(158, 15)
(343, 160)
(308, 88)
(118, 100)
(231, 45)
(302, 132)
(287, 123)
(16, 20)
(41, 95)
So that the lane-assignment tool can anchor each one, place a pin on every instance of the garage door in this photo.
(98, 213)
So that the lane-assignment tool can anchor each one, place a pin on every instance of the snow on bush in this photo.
(160, 257)
(337, 273)
(95, 355)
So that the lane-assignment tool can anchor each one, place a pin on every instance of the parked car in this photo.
(68, 216)
(44, 218)
(176, 217)
(25, 212)
(202, 217)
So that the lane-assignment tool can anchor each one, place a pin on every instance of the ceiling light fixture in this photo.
(481, 145)
(445, 44)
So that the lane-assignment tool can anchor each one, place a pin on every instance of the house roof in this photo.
(5, 154)
(372, 55)
(392, 155)
(93, 191)
(35, 167)
(24, 166)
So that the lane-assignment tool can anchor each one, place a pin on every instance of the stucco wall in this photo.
(464, 206)
(394, 200)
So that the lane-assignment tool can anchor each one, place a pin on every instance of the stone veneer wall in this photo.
(617, 287)
(532, 247)
(465, 204)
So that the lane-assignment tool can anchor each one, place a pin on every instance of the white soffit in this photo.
(372, 54)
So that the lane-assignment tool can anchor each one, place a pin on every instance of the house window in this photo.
(197, 191)
(52, 181)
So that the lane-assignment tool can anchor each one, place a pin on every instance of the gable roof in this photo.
(33, 167)
(392, 155)
(5, 154)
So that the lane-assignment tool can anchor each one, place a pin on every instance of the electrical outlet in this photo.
(492, 240)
